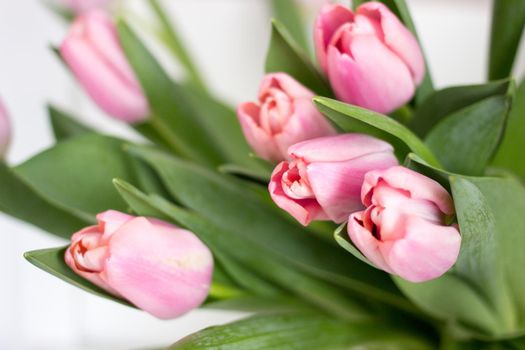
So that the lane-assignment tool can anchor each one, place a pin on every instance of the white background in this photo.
(228, 39)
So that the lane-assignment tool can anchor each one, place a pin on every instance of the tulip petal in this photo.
(397, 37)
(303, 210)
(5, 130)
(426, 252)
(331, 17)
(164, 272)
(370, 76)
(286, 83)
(367, 244)
(419, 187)
(338, 148)
(111, 220)
(337, 185)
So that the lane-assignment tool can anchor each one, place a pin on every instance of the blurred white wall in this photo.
(228, 39)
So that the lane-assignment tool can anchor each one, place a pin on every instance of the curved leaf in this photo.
(64, 125)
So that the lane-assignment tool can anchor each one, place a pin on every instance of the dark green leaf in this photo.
(289, 14)
(284, 55)
(52, 261)
(76, 174)
(447, 101)
(508, 20)
(19, 200)
(465, 141)
(300, 331)
(64, 124)
(510, 153)
(342, 238)
(355, 119)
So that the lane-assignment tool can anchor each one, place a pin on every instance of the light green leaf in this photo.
(355, 119)
(288, 12)
(64, 124)
(508, 20)
(301, 330)
(19, 200)
(284, 55)
(449, 100)
(52, 261)
(465, 141)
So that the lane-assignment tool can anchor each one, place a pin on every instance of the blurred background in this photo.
(228, 39)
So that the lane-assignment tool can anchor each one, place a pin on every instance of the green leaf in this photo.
(172, 117)
(301, 330)
(64, 124)
(289, 14)
(465, 141)
(52, 261)
(19, 200)
(510, 152)
(355, 119)
(76, 174)
(234, 206)
(447, 101)
(400, 9)
(284, 55)
(508, 20)
(342, 238)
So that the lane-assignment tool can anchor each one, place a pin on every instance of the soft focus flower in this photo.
(157, 266)
(81, 6)
(283, 116)
(372, 60)
(93, 53)
(404, 228)
(5, 131)
(324, 178)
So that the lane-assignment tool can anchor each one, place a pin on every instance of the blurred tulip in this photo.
(372, 60)
(93, 53)
(156, 266)
(403, 230)
(81, 6)
(283, 116)
(323, 181)
(5, 131)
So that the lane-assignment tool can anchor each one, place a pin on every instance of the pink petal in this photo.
(5, 130)
(338, 148)
(426, 252)
(111, 220)
(286, 83)
(331, 17)
(397, 37)
(303, 210)
(337, 185)
(261, 142)
(164, 272)
(371, 76)
(419, 187)
(367, 244)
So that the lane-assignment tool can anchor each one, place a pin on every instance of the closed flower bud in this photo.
(404, 228)
(93, 53)
(81, 6)
(324, 178)
(372, 60)
(284, 115)
(156, 266)
(5, 131)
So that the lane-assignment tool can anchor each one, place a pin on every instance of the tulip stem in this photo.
(402, 114)
(168, 35)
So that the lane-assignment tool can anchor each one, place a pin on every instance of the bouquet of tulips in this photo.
(350, 205)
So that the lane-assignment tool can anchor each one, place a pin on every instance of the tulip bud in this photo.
(156, 266)
(283, 116)
(93, 53)
(372, 60)
(404, 230)
(5, 131)
(81, 6)
(324, 178)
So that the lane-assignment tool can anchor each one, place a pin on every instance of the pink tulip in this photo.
(404, 230)
(93, 53)
(5, 130)
(283, 116)
(156, 266)
(372, 60)
(81, 6)
(324, 178)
